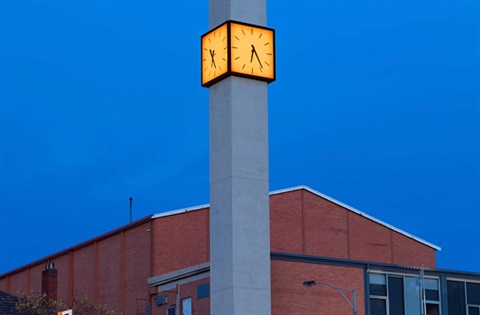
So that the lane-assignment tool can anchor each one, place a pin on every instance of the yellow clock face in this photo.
(252, 51)
(214, 54)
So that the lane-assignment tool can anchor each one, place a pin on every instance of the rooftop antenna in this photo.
(131, 200)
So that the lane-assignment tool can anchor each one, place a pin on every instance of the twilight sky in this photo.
(376, 104)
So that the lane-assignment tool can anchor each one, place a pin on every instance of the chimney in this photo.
(49, 281)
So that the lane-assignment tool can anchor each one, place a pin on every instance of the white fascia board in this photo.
(341, 204)
(178, 211)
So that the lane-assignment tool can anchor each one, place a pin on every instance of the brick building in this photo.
(160, 264)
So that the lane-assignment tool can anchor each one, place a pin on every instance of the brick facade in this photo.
(113, 269)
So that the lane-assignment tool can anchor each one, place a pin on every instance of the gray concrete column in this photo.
(239, 187)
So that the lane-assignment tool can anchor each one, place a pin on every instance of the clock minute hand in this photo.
(256, 55)
(212, 54)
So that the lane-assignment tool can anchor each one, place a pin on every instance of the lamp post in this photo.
(353, 304)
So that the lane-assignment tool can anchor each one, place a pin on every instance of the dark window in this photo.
(473, 293)
(203, 291)
(431, 295)
(456, 298)
(473, 310)
(433, 309)
(378, 285)
(378, 307)
(171, 310)
(160, 300)
(395, 295)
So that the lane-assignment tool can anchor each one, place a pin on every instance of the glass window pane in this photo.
(431, 295)
(433, 309)
(395, 295)
(378, 289)
(456, 298)
(431, 284)
(473, 293)
(412, 296)
(378, 307)
(473, 310)
(187, 306)
(203, 291)
(377, 279)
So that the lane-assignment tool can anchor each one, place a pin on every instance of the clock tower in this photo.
(239, 180)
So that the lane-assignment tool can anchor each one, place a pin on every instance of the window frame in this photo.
(422, 297)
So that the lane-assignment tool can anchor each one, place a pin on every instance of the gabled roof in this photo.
(339, 203)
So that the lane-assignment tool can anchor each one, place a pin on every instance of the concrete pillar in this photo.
(239, 187)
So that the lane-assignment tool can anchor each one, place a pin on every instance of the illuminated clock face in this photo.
(252, 51)
(214, 54)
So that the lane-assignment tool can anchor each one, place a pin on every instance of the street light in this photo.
(353, 304)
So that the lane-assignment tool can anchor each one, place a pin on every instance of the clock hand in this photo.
(212, 54)
(253, 51)
(256, 55)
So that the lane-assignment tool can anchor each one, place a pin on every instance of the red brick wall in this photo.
(137, 267)
(286, 222)
(319, 227)
(289, 296)
(326, 227)
(181, 241)
(84, 275)
(407, 251)
(111, 270)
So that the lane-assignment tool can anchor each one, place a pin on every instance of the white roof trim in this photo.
(178, 211)
(169, 213)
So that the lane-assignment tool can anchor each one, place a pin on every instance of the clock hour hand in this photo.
(212, 54)
(256, 55)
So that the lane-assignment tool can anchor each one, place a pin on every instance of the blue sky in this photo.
(376, 104)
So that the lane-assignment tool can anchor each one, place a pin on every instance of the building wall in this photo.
(112, 269)
(317, 226)
(290, 296)
(181, 241)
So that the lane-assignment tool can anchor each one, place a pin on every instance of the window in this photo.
(463, 298)
(432, 297)
(171, 310)
(392, 294)
(378, 294)
(203, 291)
(187, 306)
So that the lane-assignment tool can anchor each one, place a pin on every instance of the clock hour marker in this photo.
(252, 70)
(269, 54)
(224, 59)
(243, 66)
(260, 35)
(205, 69)
(267, 63)
(204, 59)
(251, 31)
(224, 39)
(234, 47)
(243, 32)
(209, 40)
(237, 58)
(237, 38)
(267, 43)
